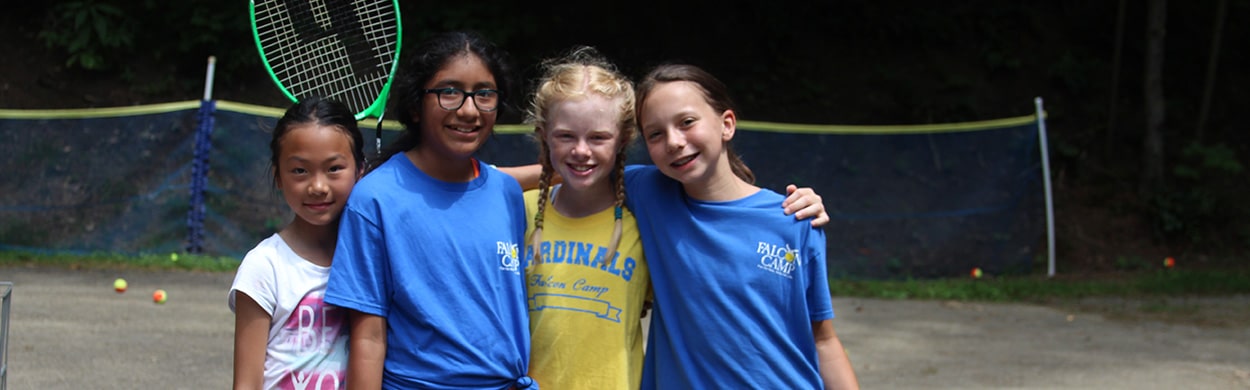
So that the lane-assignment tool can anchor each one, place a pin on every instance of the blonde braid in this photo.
(619, 87)
(544, 188)
(619, 184)
(581, 72)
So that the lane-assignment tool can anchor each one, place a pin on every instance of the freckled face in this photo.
(582, 140)
(316, 172)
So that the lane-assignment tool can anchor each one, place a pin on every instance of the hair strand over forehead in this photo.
(715, 94)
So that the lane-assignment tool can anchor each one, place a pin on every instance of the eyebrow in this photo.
(460, 84)
(336, 156)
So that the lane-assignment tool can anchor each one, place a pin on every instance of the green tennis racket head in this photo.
(346, 50)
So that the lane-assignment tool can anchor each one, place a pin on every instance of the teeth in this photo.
(683, 161)
(582, 168)
(463, 129)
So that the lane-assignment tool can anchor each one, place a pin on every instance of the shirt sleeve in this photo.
(819, 303)
(640, 183)
(360, 273)
(256, 278)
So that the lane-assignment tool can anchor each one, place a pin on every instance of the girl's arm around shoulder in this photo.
(251, 340)
(528, 175)
(835, 366)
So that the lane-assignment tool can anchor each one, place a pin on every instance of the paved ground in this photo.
(69, 330)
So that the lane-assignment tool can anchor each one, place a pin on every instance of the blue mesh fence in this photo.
(103, 183)
(916, 205)
(905, 201)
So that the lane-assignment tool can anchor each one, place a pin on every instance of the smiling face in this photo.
(456, 135)
(316, 172)
(582, 138)
(684, 135)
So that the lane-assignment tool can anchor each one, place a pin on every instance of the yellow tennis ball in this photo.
(173, 256)
(119, 285)
(159, 296)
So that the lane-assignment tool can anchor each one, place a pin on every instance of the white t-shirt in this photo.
(307, 337)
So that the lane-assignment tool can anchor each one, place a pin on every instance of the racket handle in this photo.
(378, 140)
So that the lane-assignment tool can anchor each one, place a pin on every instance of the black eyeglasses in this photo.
(450, 99)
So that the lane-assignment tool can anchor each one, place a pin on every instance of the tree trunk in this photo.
(1152, 145)
(1217, 33)
(1112, 112)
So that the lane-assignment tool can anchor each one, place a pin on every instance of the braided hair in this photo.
(581, 72)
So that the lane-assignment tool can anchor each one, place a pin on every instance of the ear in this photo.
(540, 135)
(416, 116)
(729, 122)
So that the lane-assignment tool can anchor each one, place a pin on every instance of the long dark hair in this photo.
(428, 58)
(715, 93)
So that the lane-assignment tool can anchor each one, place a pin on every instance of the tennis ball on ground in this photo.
(119, 285)
(159, 296)
(1169, 262)
(976, 273)
(173, 256)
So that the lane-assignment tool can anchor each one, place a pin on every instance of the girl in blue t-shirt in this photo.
(427, 259)
(741, 293)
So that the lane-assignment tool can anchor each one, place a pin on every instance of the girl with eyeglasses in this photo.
(427, 259)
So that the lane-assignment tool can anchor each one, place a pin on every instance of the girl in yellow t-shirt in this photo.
(586, 278)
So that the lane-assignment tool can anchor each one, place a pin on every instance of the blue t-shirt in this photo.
(737, 286)
(439, 261)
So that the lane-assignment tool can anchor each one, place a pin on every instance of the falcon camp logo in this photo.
(508, 260)
(778, 259)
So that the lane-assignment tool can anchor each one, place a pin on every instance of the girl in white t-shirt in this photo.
(286, 336)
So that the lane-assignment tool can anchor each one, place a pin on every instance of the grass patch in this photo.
(154, 262)
(1038, 288)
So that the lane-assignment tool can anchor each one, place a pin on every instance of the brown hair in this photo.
(580, 73)
(715, 93)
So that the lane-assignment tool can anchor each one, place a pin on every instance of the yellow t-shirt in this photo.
(584, 306)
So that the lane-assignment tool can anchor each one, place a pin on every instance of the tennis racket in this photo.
(346, 50)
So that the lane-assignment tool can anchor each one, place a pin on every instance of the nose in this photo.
(318, 186)
(676, 140)
(468, 109)
(581, 148)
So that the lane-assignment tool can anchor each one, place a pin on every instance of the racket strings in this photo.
(330, 48)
